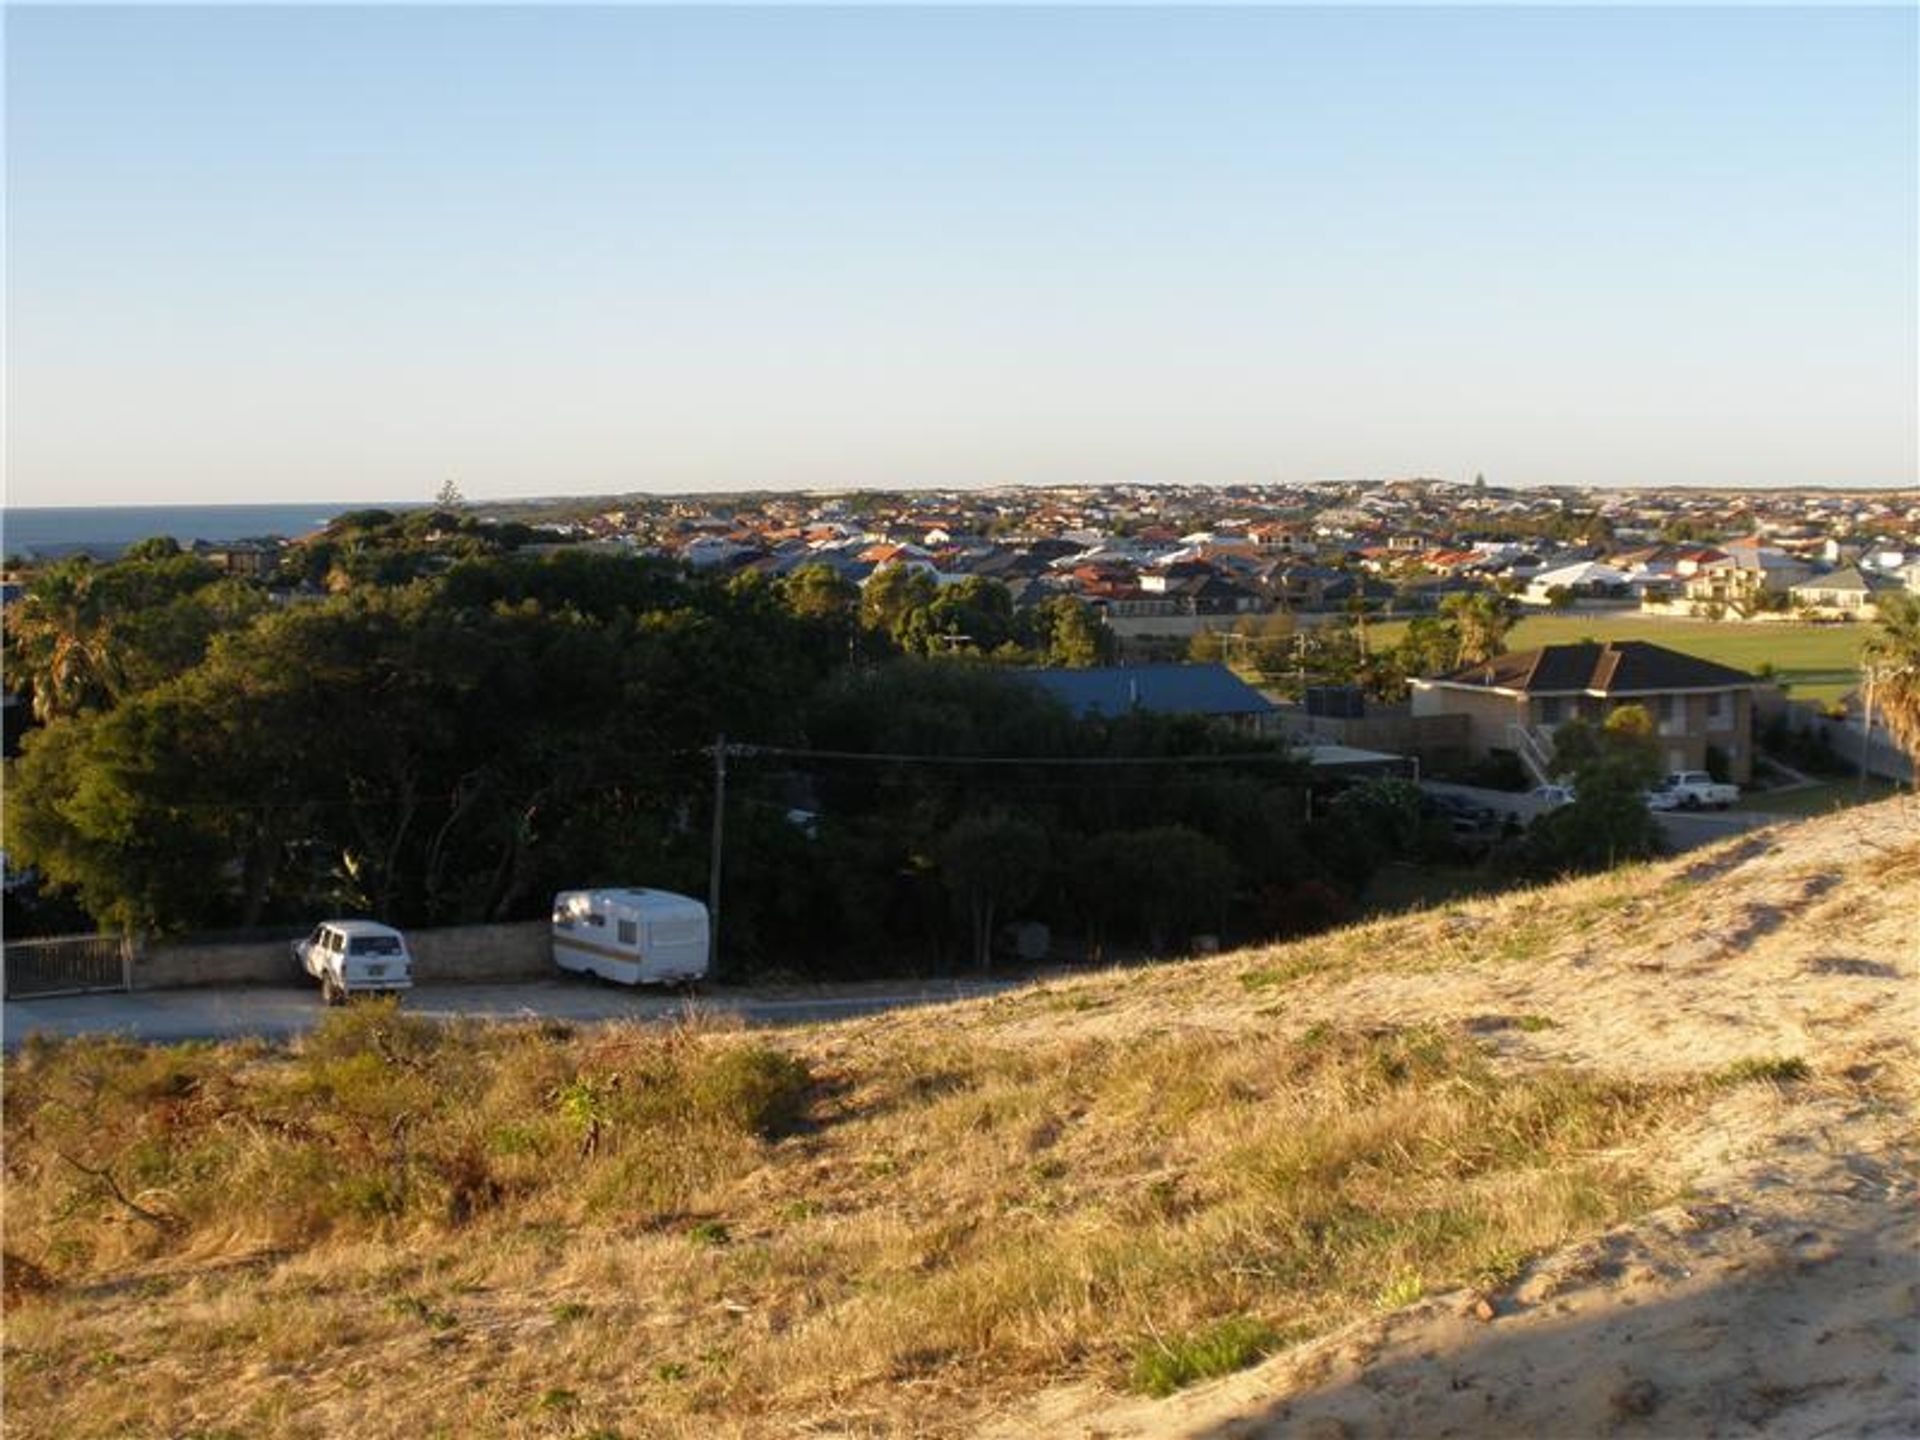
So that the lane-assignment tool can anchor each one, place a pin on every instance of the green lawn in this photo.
(1822, 799)
(1815, 662)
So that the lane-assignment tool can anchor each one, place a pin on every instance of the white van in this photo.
(355, 957)
(632, 937)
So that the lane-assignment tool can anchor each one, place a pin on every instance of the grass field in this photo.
(1823, 799)
(1815, 662)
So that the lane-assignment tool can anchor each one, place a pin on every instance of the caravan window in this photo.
(597, 920)
(629, 932)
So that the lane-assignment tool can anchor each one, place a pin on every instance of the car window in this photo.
(374, 945)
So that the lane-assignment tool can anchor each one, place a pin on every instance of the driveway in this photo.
(278, 1013)
(1683, 829)
(1690, 829)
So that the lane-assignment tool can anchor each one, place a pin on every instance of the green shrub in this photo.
(1776, 1069)
(754, 1089)
(377, 1027)
(1162, 1366)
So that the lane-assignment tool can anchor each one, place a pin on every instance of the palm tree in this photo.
(1892, 662)
(58, 641)
(1481, 621)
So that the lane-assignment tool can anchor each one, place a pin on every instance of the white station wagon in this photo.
(355, 957)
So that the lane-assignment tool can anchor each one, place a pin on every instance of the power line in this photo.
(1095, 762)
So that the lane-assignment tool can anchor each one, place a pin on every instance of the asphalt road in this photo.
(278, 1013)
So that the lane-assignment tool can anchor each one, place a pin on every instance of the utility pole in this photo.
(713, 868)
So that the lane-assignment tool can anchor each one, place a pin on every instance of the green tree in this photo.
(1624, 752)
(57, 641)
(1157, 883)
(828, 604)
(819, 592)
(154, 547)
(1892, 661)
(991, 863)
(1264, 648)
(84, 636)
(1480, 622)
(1067, 634)
(1608, 823)
(1206, 647)
(974, 614)
(1430, 646)
(892, 594)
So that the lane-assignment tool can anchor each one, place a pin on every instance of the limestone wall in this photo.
(461, 952)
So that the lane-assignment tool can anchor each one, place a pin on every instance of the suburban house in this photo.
(1584, 579)
(1514, 702)
(1114, 690)
(1742, 580)
(1843, 593)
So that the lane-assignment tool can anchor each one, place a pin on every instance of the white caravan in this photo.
(632, 937)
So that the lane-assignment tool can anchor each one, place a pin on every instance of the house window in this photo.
(1720, 711)
(629, 932)
(1552, 710)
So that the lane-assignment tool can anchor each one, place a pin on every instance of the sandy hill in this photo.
(1631, 1155)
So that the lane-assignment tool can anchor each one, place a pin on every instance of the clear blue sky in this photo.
(288, 254)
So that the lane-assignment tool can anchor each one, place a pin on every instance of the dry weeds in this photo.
(902, 1225)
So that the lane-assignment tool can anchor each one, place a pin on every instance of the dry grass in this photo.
(899, 1225)
(400, 1228)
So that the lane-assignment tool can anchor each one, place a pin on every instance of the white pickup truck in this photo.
(1695, 790)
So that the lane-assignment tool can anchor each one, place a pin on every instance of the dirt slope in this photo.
(994, 1205)
(1783, 1298)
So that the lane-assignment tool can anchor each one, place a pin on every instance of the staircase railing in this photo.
(1533, 753)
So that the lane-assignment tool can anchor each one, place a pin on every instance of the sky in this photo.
(287, 254)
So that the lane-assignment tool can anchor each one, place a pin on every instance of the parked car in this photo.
(1473, 828)
(1695, 789)
(1464, 814)
(1658, 799)
(1551, 797)
(355, 957)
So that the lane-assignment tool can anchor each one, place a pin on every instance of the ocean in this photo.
(41, 532)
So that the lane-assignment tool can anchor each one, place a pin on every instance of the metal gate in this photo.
(68, 965)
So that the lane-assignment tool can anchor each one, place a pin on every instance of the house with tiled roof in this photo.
(1845, 593)
(1741, 580)
(1514, 702)
(1112, 691)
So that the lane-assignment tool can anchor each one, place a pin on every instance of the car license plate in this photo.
(376, 971)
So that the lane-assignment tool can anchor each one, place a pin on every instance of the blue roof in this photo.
(1164, 689)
